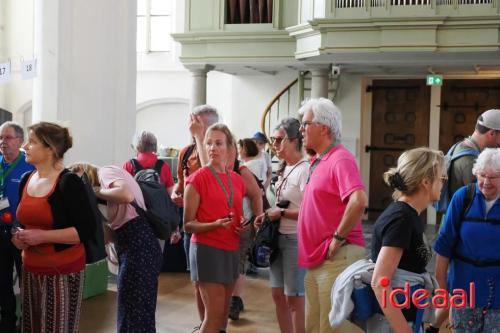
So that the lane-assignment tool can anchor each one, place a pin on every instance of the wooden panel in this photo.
(400, 121)
(462, 101)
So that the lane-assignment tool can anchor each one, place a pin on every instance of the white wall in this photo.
(18, 37)
(243, 98)
(349, 101)
(167, 119)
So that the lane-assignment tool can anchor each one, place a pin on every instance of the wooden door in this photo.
(462, 101)
(400, 121)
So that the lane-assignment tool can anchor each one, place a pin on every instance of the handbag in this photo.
(265, 246)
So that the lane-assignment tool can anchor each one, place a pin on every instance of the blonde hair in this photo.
(414, 166)
(230, 141)
(90, 169)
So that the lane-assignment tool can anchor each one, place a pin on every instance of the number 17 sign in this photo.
(5, 72)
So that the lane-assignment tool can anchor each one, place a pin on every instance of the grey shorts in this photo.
(285, 271)
(209, 264)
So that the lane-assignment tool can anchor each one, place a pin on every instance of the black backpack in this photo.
(267, 236)
(94, 246)
(161, 212)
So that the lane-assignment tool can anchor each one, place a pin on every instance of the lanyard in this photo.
(230, 195)
(4, 174)
(318, 159)
(278, 191)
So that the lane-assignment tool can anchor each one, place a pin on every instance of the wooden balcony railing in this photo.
(249, 11)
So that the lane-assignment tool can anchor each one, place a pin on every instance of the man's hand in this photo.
(196, 127)
(334, 246)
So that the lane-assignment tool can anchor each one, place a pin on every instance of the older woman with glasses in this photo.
(287, 278)
(468, 242)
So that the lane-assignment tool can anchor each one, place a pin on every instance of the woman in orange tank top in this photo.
(56, 217)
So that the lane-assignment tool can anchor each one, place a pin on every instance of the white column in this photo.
(319, 81)
(86, 52)
(199, 87)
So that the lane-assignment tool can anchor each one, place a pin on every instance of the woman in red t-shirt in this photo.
(213, 201)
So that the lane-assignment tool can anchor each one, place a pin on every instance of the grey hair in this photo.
(326, 113)
(210, 111)
(15, 126)
(144, 142)
(291, 126)
(489, 159)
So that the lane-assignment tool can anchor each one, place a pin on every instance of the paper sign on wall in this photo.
(5, 73)
(28, 69)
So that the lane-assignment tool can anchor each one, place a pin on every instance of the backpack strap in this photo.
(470, 192)
(185, 158)
(158, 166)
(136, 166)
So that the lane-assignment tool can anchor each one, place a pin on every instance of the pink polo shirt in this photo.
(325, 200)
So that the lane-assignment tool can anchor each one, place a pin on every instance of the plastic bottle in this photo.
(263, 255)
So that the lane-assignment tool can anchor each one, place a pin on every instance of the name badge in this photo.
(4, 203)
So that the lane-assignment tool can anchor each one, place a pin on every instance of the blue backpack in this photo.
(444, 200)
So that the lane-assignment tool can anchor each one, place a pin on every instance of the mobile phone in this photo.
(249, 221)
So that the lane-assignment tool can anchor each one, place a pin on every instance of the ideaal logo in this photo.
(458, 299)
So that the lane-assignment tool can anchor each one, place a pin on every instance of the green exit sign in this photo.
(434, 80)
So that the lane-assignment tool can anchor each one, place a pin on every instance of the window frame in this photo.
(148, 33)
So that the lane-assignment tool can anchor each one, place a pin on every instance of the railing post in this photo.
(301, 88)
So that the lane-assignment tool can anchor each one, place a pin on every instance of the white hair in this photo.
(489, 159)
(144, 142)
(210, 111)
(326, 113)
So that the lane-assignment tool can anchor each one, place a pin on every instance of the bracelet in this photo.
(338, 237)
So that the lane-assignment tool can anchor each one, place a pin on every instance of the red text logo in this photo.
(420, 298)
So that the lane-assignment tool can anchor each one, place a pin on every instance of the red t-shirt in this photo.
(213, 206)
(148, 160)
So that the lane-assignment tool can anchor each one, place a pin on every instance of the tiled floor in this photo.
(176, 310)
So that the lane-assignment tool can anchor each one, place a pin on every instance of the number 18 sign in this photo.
(28, 69)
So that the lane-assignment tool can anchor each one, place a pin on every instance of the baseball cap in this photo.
(490, 119)
(259, 136)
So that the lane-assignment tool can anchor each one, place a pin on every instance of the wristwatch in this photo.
(282, 212)
(338, 237)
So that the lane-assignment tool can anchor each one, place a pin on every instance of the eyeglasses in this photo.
(279, 140)
(8, 138)
(308, 123)
(444, 179)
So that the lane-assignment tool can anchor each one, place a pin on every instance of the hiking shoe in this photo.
(235, 308)
(196, 329)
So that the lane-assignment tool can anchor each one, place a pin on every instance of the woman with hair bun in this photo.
(56, 215)
(398, 236)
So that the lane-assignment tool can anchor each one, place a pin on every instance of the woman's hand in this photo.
(274, 213)
(224, 222)
(244, 226)
(19, 243)
(32, 237)
(257, 223)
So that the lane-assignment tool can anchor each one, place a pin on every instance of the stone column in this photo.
(319, 81)
(199, 87)
(86, 52)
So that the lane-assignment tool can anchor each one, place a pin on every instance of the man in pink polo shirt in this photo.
(329, 230)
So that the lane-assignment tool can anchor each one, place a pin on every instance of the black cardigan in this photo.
(70, 206)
